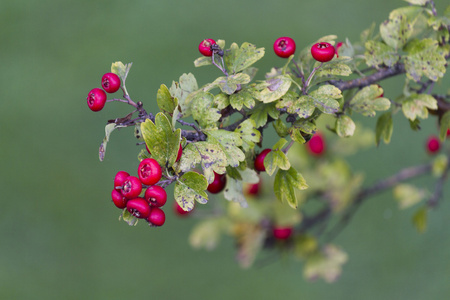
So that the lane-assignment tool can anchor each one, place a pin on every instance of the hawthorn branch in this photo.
(380, 186)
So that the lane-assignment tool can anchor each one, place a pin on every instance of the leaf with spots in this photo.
(273, 88)
(186, 85)
(261, 112)
(230, 143)
(203, 110)
(425, 58)
(286, 181)
(243, 98)
(243, 57)
(444, 126)
(336, 67)
(249, 134)
(324, 98)
(378, 53)
(368, 100)
(190, 188)
(417, 105)
(162, 142)
(210, 156)
(228, 84)
(396, 31)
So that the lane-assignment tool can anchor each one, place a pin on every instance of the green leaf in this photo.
(368, 100)
(424, 59)
(243, 57)
(128, 218)
(190, 188)
(203, 61)
(186, 85)
(417, 2)
(203, 110)
(396, 31)
(285, 183)
(420, 219)
(324, 98)
(345, 126)
(243, 98)
(444, 126)
(416, 105)
(304, 106)
(210, 156)
(378, 53)
(408, 195)
(276, 158)
(228, 84)
(230, 143)
(440, 164)
(280, 128)
(162, 142)
(249, 134)
(120, 69)
(221, 100)
(108, 129)
(273, 89)
(260, 113)
(206, 234)
(326, 264)
(384, 128)
(166, 102)
(336, 67)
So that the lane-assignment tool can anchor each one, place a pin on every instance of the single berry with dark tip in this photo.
(282, 233)
(156, 196)
(120, 178)
(323, 51)
(205, 47)
(111, 82)
(149, 171)
(316, 144)
(138, 207)
(218, 184)
(132, 187)
(96, 99)
(259, 160)
(284, 46)
(433, 144)
(118, 199)
(157, 217)
(179, 210)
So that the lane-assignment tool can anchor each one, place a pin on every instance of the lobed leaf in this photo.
(417, 105)
(249, 134)
(261, 112)
(108, 130)
(230, 143)
(243, 57)
(166, 102)
(368, 100)
(424, 59)
(273, 89)
(203, 110)
(378, 53)
(285, 183)
(185, 86)
(324, 98)
(444, 125)
(190, 188)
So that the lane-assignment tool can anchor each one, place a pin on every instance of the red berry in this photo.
(433, 144)
(149, 171)
(120, 178)
(205, 47)
(157, 217)
(131, 187)
(316, 144)
(284, 47)
(156, 196)
(259, 160)
(179, 210)
(254, 189)
(96, 99)
(118, 199)
(218, 184)
(322, 52)
(338, 45)
(180, 152)
(448, 132)
(282, 233)
(138, 207)
(111, 82)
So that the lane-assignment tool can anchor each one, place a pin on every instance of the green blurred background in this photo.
(60, 234)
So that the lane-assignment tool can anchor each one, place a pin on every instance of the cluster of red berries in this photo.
(127, 190)
(96, 98)
(285, 46)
